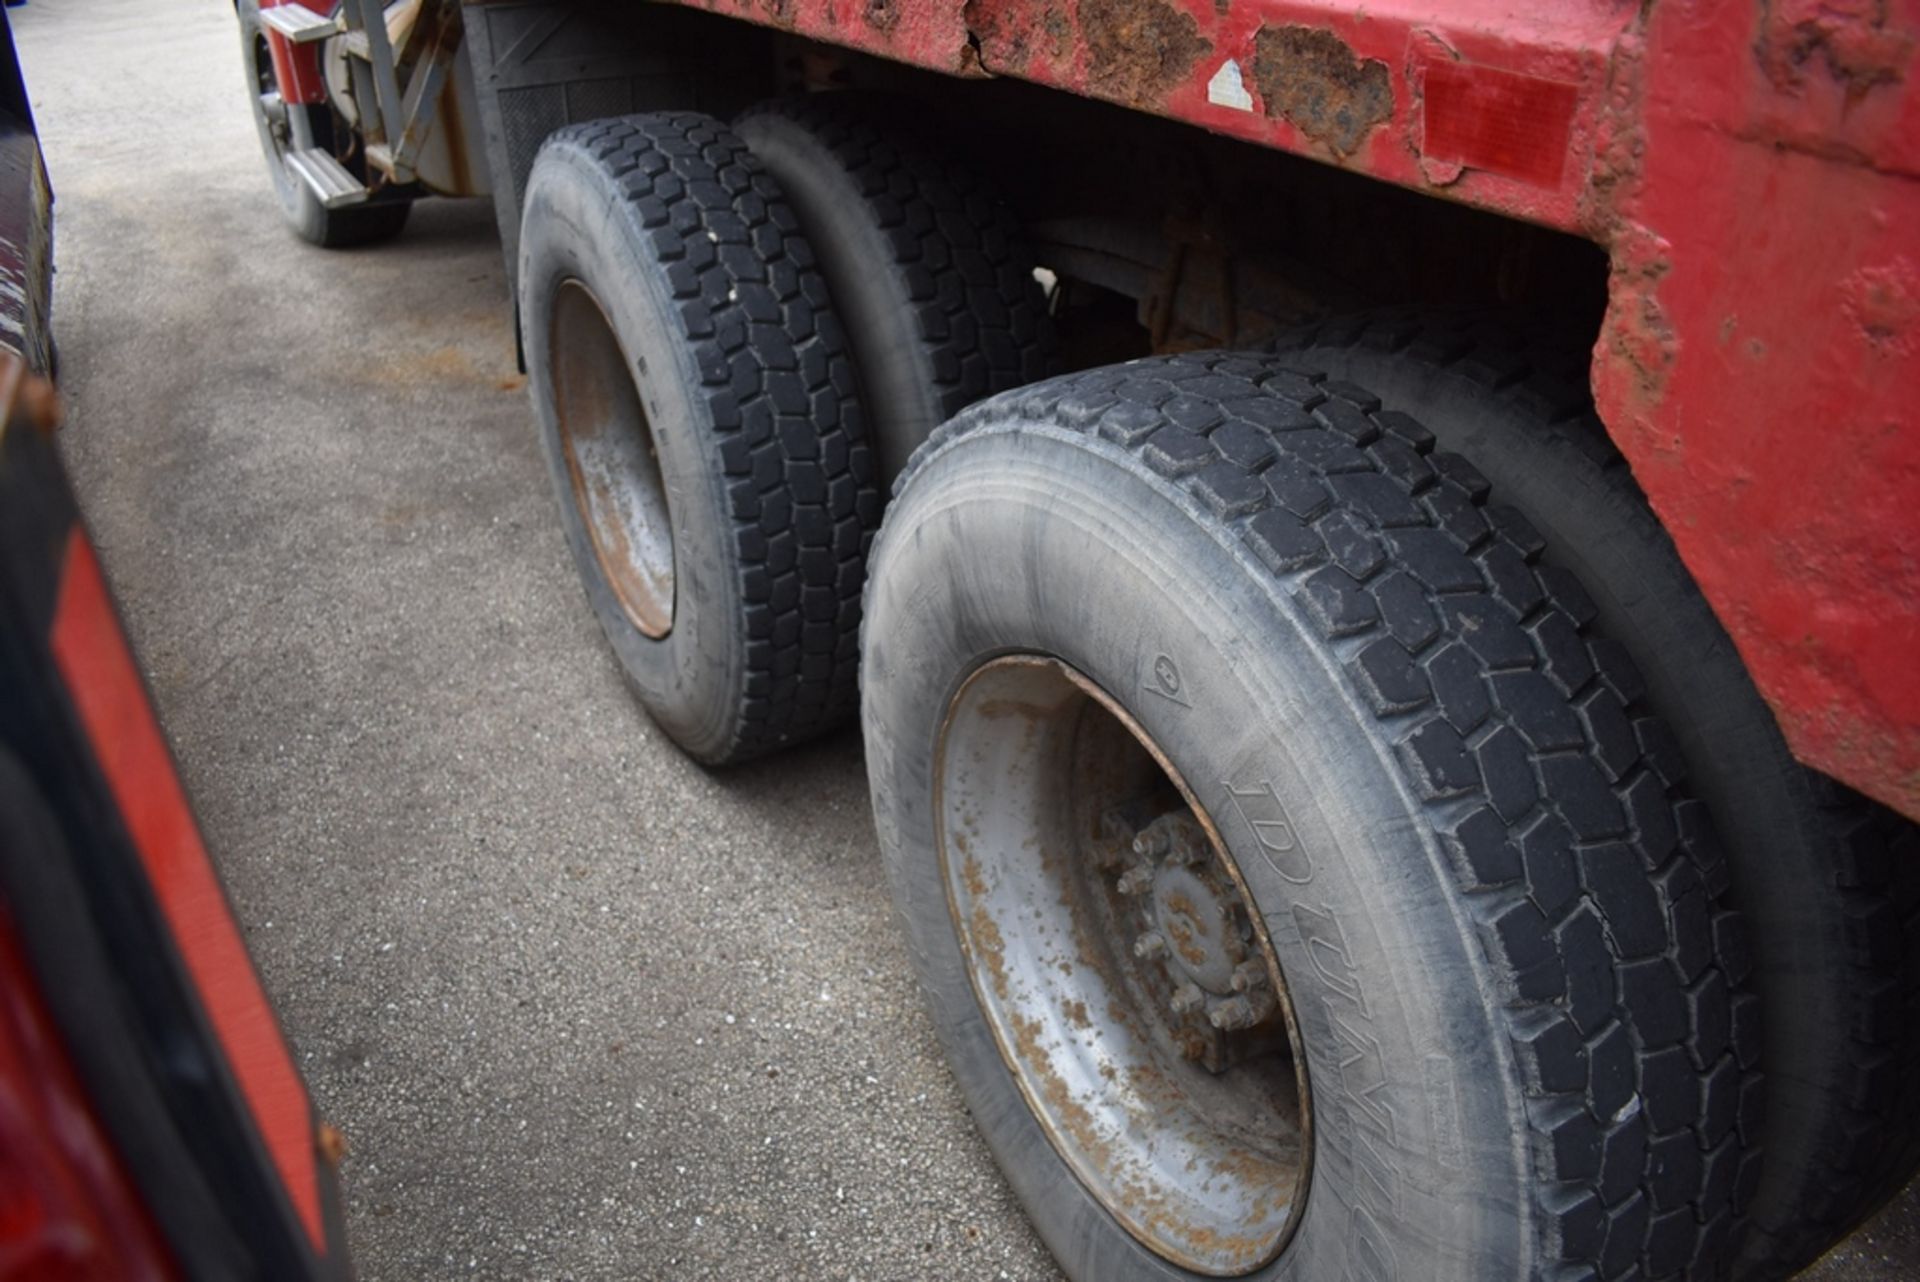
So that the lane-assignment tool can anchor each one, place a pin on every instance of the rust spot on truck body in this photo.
(1314, 79)
(1138, 50)
(1637, 335)
(1883, 300)
(1850, 39)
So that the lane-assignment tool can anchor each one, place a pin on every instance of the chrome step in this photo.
(326, 177)
(298, 23)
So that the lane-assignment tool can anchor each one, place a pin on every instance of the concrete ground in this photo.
(582, 1009)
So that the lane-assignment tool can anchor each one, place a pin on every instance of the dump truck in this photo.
(1372, 547)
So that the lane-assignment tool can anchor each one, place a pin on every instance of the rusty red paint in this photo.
(1326, 91)
(1159, 55)
(1485, 118)
(1847, 41)
(1759, 361)
(1138, 50)
(106, 689)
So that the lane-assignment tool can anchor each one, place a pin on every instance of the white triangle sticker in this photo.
(1227, 89)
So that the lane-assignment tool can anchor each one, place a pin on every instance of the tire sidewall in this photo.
(575, 226)
(1419, 1166)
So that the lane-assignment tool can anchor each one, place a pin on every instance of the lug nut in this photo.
(1233, 1013)
(1188, 997)
(1175, 836)
(1187, 846)
(1151, 946)
(1136, 880)
(1242, 1012)
(1248, 976)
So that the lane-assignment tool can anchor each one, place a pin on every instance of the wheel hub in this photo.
(1196, 943)
(1202, 939)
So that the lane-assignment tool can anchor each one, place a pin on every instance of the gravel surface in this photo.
(582, 1009)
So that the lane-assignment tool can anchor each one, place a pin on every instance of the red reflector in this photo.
(67, 1210)
(1499, 121)
(98, 668)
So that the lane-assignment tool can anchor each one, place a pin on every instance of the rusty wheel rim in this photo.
(1094, 901)
(612, 461)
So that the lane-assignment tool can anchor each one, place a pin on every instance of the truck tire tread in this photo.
(1534, 362)
(956, 254)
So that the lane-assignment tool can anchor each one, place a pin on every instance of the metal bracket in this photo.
(394, 118)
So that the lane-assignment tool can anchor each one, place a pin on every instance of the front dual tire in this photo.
(290, 126)
(1523, 1046)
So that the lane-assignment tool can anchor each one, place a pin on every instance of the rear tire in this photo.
(1828, 881)
(928, 267)
(700, 421)
(283, 126)
(1527, 1043)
